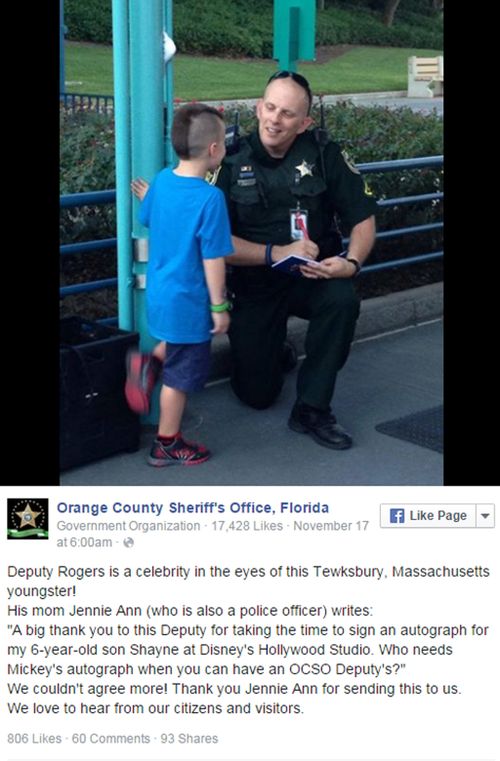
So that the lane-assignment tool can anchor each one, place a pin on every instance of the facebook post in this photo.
(247, 623)
(250, 280)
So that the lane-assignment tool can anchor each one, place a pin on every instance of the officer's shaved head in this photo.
(299, 80)
(195, 127)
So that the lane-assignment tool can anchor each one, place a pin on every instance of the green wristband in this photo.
(224, 307)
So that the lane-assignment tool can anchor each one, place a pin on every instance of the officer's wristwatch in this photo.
(356, 264)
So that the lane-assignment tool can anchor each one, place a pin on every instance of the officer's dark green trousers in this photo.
(263, 301)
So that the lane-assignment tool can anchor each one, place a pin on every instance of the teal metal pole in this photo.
(147, 71)
(62, 30)
(122, 153)
(146, 90)
(294, 31)
(170, 154)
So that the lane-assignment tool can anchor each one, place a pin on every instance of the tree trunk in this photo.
(389, 11)
(321, 5)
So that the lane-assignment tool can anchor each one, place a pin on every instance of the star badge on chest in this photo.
(305, 169)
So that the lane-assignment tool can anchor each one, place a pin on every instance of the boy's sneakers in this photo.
(142, 373)
(179, 452)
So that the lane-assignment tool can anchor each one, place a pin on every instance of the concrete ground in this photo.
(395, 369)
(392, 99)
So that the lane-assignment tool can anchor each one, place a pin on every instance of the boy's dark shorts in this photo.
(187, 366)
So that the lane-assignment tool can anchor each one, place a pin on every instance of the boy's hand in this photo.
(139, 188)
(221, 322)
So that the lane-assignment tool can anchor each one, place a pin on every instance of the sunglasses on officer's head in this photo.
(298, 78)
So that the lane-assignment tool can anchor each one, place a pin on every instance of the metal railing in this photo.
(395, 166)
(74, 102)
(109, 196)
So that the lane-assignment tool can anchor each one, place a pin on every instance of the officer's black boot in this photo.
(321, 425)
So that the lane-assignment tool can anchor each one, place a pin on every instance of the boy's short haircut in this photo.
(195, 126)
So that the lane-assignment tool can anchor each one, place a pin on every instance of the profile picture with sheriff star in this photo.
(27, 519)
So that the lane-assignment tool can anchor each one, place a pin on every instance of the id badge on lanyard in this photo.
(298, 224)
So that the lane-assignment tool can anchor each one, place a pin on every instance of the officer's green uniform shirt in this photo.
(261, 190)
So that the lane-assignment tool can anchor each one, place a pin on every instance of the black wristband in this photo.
(269, 260)
(356, 264)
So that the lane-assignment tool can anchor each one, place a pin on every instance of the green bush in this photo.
(221, 28)
(87, 161)
(90, 21)
(379, 133)
(367, 134)
(364, 27)
(421, 7)
(243, 28)
(86, 151)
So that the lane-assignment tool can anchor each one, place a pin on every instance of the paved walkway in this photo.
(392, 99)
(386, 377)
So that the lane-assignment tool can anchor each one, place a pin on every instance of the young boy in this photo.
(185, 292)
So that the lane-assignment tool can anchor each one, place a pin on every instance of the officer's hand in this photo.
(221, 322)
(334, 266)
(305, 248)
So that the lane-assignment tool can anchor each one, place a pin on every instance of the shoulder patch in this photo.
(368, 190)
(349, 163)
(211, 177)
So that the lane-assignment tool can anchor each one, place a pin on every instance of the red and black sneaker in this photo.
(179, 452)
(142, 373)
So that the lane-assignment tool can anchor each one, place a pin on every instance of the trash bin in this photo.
(94, 419)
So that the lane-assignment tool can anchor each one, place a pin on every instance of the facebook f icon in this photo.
(397, 515)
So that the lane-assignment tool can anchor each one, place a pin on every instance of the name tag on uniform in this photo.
(246, 177)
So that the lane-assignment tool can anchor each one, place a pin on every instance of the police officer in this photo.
(283, 187)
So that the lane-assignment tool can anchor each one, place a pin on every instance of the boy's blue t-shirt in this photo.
(188, 222)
